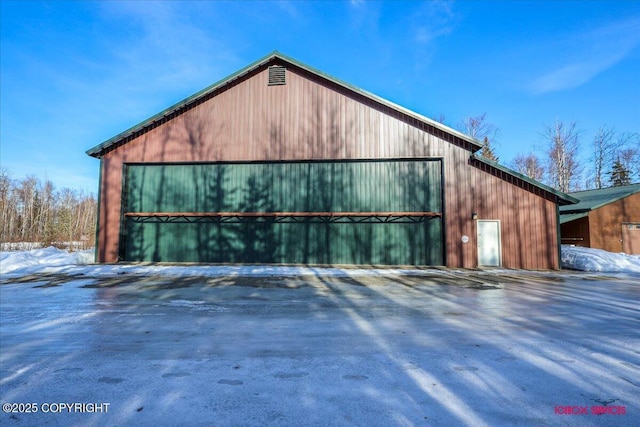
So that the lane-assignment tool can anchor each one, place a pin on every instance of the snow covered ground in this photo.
(55, 261)
(262, 345)
(52, 260)
(46, 259)
(597, 260)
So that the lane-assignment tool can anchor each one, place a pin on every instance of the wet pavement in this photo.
(430, 348)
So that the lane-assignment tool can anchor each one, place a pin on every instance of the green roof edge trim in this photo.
(565, 218)
(478, 145)
(98, 149)
(95, 151)
(620, 196)
(562, 196)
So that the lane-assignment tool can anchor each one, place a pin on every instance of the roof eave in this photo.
(617, 198)
(564, 219)
(574, 211)
(477, 145)
(98, 149)
(563, 198)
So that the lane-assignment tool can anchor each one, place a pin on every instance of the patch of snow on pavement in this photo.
(588, 259)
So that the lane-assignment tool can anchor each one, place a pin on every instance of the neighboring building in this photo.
(280, 163)
(607, 219)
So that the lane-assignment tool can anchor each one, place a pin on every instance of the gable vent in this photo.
(277, 75)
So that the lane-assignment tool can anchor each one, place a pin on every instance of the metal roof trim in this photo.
(565, 218)
(477, 144)
(98, 150)
(633, 189)
(567, 199)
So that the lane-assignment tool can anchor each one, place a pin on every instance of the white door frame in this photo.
(480, 241)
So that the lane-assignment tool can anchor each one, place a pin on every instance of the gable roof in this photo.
(593, 199)
(276, 57)
(201, 96)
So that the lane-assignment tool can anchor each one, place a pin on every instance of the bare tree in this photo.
(34, 212)
(46, 214)
(478, 128)
(67, 219)
(529, 165)
(563, 166)
(604, 148)
(26, 203)
(628, 154)
(8, 214)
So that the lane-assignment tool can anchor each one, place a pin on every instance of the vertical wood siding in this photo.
(311, 119)
(605, 223)
(336, 186)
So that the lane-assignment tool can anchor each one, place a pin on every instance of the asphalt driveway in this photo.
(429, 347)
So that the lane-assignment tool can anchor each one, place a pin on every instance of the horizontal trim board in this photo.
(289, 161)
(284, 217)
(279, 214)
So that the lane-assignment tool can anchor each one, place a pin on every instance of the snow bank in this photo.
(52, 260)
(37, 259)
(588, 259)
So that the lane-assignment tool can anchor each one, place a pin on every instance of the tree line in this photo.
(35, 211)
(613, 158)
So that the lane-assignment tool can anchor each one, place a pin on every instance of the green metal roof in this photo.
(99, 150)
(593, 199)
(564, 218)
(563, 198)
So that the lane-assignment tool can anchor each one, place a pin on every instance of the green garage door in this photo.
(342, 212)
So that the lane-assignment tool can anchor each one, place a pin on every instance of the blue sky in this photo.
(74, 74)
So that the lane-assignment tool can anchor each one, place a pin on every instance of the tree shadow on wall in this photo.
(257, 237)
(311, 168)
(335, 181)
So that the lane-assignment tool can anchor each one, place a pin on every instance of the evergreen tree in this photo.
(487, 151)
(478, 128)
(620, 174)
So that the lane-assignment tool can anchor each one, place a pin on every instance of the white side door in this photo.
(489, 250)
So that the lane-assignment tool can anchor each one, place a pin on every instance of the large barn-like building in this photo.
(280, 163)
